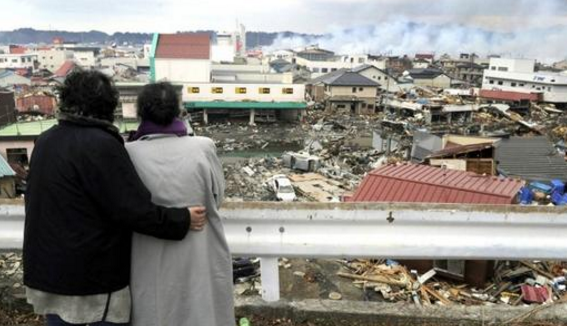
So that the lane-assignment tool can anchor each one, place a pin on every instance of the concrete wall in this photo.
(223, 53)
(369, 92)
(183, 70)
(442, 81)
(86, 59)
(17, 61)
(512, 65)
(53, 59)
(229, 92)
(27, 144)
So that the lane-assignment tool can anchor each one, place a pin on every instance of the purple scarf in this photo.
(177, 127)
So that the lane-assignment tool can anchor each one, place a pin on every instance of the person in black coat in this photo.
(83, 201)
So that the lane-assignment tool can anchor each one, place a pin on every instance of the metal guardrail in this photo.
(356, 230)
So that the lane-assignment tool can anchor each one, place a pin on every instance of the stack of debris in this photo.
(515, 283)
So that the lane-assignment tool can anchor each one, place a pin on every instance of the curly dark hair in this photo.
(158, 103)
(90, 94)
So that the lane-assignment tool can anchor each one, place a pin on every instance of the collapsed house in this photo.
(412, 183)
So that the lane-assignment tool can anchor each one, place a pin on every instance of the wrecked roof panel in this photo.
(427, 184)
(533, 158)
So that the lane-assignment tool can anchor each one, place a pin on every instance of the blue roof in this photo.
(5, 73)
(5, 169)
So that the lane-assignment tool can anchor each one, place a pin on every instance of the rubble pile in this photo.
(11, 268)
(245, 181)
(514, 283)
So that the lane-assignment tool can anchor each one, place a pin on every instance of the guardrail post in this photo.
(270, 279)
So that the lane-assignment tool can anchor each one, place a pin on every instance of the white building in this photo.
(223, 90)
(181, 58)
(52, 59)
(228, 45)
(518, 75)
(17, 61)
(320, 68)
(86, 57)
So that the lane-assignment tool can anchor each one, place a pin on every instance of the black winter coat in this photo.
(82, 203)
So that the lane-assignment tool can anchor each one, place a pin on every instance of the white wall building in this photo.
(518, 75)
(85, 57)
(52, 59)
(259, 92)
(17, 61)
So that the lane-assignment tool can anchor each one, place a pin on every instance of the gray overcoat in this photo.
(185, 283)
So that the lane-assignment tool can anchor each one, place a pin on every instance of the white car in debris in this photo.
(281, 186)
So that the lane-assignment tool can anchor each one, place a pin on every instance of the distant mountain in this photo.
(32, 36)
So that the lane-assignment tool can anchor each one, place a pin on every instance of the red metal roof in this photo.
(426, 184)
(184, 46)
(65, 69)
(509, 96)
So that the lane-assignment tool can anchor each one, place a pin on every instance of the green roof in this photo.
(5, 169)
(245, 105)
(35, 128)
(32, 128)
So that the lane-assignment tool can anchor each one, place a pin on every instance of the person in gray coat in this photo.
(187, 282)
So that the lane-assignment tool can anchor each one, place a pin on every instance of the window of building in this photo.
(17, 155)
(386, 78)
(553, 80)
(315, 69)
(502, 68)
(340, 106)
(354, 89)
(287, 90)
(264, 90)
(217, 90)
(492, 68)
(513, 84)
(360, 60)
(194, 90)
(360, 89)
(522, 84)
(549, 89)
(500, 83)
(333, 69)
(324, 70)
(240, 90)
(14, 60)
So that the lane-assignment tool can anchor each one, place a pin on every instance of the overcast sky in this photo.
(310, 16)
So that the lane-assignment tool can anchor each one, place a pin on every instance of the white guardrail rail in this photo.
(362, 230)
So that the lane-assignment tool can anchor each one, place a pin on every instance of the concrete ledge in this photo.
(331, 313)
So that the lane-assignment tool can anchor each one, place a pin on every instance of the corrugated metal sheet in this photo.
(45, 104)
(509, 96)
(184, 46)
(533, 158)
(426, 184)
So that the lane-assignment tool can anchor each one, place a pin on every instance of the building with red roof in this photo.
(184, 57)
(427, 184)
